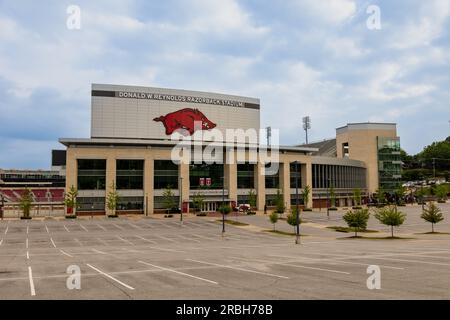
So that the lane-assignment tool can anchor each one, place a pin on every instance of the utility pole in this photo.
(181, 201)
(297, 219)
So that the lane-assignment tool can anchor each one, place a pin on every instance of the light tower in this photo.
(306, 126)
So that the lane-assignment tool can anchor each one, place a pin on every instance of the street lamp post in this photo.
(223, 206)
(297, 220)
(328, 199)
(181, 201)
(2, 206)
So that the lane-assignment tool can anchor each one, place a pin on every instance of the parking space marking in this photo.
(66, 228)
(165, 238)
(124, 240)
(65, 253)
(101, 227)
(102, 241)
(98, 251)
(117, 226)
(110, 277)
(84, 228)
(30, 276)
(187, 238)
(46, 229)
(1, 241)
(53, 242)
(178, 272)
(240, 269)
(148, 240)
(7, 227)
(27, 229)
(338, 261)
(413, 261)
(79, 242)
(28, 255)
(134, 226)
(26, 243)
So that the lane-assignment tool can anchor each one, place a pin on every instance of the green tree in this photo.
(291, 218)
(70, 200)
(305, 195)
(279, 202)
(168, 199)
(197, 201)
(441, 192)
(112, 199)
(273, 218)
(225, 209)
(357, 196)
(432, 213)
(381, 197)
(421, 193)
(357, 219)
(390, 216)
(400, 193)
(252, 199)
(25, 202)
(332, 197)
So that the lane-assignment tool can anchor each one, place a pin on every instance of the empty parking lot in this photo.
(147, 258)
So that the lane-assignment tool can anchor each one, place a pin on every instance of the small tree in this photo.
(381, 198)
(168, 199)
(225, 209)
(273, 219)
(112, 200)
(291, 218)
(306, 194)
(432, 213)
(390, 216)
(70, 200)
(252, 199)
(279, 202)
(25, 202)
(197, 201)
(357, 219)
(400, 194)
(332, 197)
(441, 192)
(357, 196)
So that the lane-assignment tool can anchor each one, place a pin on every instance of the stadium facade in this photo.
(131, 148)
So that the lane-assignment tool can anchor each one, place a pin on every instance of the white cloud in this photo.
(328, 11)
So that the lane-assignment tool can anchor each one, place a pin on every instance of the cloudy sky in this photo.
(300, 57)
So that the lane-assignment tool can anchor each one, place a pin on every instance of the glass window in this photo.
(246, 176)
(206, 176)
(91, 174)
(165, 174)
(296, 175)
(130, 174)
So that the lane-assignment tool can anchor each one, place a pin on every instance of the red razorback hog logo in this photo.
(184, 119)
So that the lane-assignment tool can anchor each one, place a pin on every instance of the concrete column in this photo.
(149, 175)
(110, 176)
(285, 183)
(307, 180)
(183, 172)
(71, 169)
(230, 172)
(260, 186)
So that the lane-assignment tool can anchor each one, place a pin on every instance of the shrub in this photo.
(273, 219)
(390, 216)
(432, 213)
(357, 219)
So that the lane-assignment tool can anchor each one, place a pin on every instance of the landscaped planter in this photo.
(25, 218)
(168, 215)
(251, 213)
(71, 216)
(357, 207)
(333, 209)
(113, 216)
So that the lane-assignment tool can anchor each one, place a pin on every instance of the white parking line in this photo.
(65, 253)
(53, 243)
(134, 226)
(98, 251)
(165, 238)
(240, 269)
(117, 226)
(66, 228)
(101, 227)
(26, 243)
(78, 241)
(102, 241)
(84, 228)
(178, 272)
(46, 229)
(30, 276)
(110, 277)
(142, 238)
(27, 229)
(7, 227)
(187, 238)
(1, 241)
(28, 255)
(124, 240)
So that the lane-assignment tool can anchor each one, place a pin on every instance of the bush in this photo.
(71, 216)
(432, 213)
(291, 218)
(273, 218)
(357, 219)
(225, 209)
(201, 214)
(251, 213)
(113, 215)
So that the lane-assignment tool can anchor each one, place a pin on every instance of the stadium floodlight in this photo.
(306, 126)
(268, 135)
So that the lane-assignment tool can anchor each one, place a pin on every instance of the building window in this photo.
(246, 176)
(165, 174)
(159, 202)
(131, 203)
(206, 176)
(389, 163)
(91, 204)
(272, 180)
(130, 174)
(91, 174)
(345, 150)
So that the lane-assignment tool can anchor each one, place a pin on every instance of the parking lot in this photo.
(149, 258)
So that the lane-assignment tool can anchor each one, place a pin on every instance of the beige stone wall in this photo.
(363, 147)
(111, 154)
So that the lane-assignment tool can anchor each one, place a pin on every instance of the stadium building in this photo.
(130, 147)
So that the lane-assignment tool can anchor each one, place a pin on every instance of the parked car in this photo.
(243, 207)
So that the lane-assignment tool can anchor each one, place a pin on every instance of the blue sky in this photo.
(300, 58)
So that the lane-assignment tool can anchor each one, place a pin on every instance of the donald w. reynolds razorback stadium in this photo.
(131, 148)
